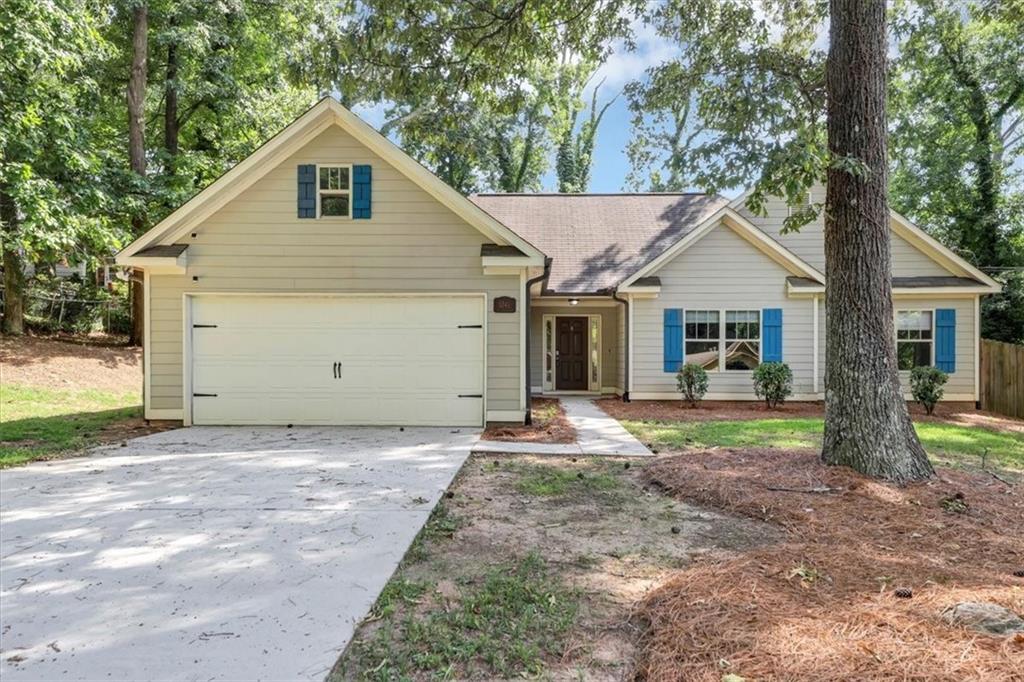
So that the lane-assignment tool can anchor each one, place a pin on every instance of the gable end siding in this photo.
(257, 243)
(809, 242)
(721, 271)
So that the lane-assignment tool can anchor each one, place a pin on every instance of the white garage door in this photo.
(411, 360)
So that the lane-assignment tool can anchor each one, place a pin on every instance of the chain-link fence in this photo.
(74, 307)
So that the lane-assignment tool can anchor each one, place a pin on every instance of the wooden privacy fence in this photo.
(1002, 378)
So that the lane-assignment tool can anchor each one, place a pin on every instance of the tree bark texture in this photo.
(137, 144)
(171, 126)
(14, 269)
(867, 424)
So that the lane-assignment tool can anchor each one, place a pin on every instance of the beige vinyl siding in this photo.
(412, 243)
(611, 346)
(722, 271)
(809, 242)
(961, 382)
(165, 338)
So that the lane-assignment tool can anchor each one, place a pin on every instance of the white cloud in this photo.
(625, 64)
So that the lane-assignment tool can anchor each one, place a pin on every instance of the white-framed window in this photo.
(915, 338)
(718, 340)
(702, 335)
(742, 347)
(334, 191)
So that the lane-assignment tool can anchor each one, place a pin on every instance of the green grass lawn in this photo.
(40, 423)
(948, 444)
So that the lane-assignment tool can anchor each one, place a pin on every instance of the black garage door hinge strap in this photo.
(471, 326)
(204, 326)
(471, 395)
(204, 395)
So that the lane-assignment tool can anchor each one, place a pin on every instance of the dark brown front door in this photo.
(571, 354)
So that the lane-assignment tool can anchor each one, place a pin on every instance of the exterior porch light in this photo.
(574, 301)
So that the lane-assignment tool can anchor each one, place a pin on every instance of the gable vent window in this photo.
(805, 201)
(334, 191)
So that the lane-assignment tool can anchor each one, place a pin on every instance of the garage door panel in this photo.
(404, 360)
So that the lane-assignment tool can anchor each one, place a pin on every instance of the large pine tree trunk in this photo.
(867, 424)
(137, 144)
(14, 268)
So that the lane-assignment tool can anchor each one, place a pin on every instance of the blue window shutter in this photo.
(771, 335)
(361, 193)
(945, 340)
(673, 329)
(307, 191)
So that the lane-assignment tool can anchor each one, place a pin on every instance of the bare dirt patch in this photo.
(550, 425)
(70, 364)
(960, 413)
(601, 530)
(824, 603)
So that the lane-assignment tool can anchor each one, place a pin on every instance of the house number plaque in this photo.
(504, 304)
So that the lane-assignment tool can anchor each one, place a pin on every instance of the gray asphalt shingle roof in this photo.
(596, 241)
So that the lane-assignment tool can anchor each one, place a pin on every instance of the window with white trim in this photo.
(914, 338)
(702, 333)
(734, 345)
(742, 339)
(334, 191)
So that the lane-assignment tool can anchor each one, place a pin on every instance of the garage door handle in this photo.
(337, 370)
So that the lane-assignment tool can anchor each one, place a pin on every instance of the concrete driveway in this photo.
(210, 553)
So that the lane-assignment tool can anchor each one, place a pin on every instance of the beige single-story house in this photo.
(331, 279)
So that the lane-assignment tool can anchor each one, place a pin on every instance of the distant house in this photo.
(331, 279)
(61, 270)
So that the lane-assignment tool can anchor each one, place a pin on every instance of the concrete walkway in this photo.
(210, 553)
(596, 434)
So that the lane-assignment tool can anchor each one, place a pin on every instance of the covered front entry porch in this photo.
(577, 346)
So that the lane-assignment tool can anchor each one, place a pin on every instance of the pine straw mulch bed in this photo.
(550, 425)
(821, 605)
(963, 414)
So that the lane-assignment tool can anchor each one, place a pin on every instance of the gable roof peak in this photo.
(325, 113)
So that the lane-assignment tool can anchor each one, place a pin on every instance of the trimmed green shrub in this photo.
(926, 386)
(692, 382)
(773, 381)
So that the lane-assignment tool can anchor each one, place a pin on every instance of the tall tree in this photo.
(867, 424)
(741, 104)
(576, 148)
(957, 98)
(666, 130)
(52, 189)
(424, 59)
(136, 106)
(757, 79)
